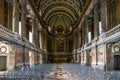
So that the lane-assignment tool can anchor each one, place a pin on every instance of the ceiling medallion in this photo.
(3, 49)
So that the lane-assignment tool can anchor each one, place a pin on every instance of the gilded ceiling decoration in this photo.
(59, 16)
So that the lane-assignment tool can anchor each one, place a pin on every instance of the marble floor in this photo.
(64, 71)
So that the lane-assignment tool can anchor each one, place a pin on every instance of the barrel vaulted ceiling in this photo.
(59, 17)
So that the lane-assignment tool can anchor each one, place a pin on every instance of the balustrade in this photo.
(113, 31)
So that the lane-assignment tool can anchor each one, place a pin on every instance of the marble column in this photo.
(23, 19)
(96, 26)
(15, 16)
(104, 15)
(34, 31)
(96, 20)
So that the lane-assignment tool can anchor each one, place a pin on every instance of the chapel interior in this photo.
(59, 39)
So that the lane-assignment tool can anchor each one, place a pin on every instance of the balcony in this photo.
(113, 31)
(113, 35)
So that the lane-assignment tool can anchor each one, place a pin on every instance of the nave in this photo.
(83, 36)
(63, 71)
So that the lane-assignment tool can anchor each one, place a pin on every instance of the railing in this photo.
(113, 31)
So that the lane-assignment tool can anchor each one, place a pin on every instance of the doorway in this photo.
(117, 62)
(3, 63)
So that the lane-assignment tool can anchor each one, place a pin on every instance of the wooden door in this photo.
(117, 62)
